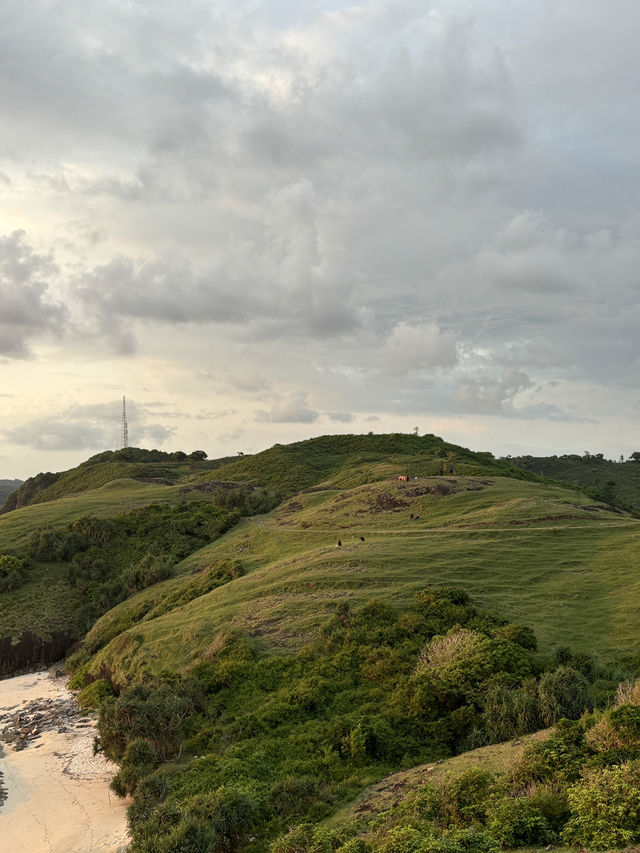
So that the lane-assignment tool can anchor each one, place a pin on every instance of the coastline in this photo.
(57, 797)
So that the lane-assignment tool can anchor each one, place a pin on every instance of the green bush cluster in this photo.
(303, 732)
(572, 788)
(110, 559)
(12, 572)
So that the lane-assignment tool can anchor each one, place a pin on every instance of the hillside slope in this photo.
(614, 482)
(542, 556)
(286, 661)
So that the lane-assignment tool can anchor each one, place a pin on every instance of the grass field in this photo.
(542, 556)
(114, 497)
(46, 601)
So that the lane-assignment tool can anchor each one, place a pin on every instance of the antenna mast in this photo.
(125, 428)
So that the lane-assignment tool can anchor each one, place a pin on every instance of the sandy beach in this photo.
(57, 792)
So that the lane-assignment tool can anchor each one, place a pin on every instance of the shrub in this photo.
(518, 822)
(297, 840)
(469, 795)
(157, 714)
(557, 759)
(229, 812)
(628, 693)
(138, 761)
(509, 712)
(443, 651)
(147, 571)
(12, 571)
(292, 794)
(92, 696)
(552, 804)
(149, 793)
(562, 693)
(605, 808)
(468, 841)
(519, 634)
(405, 839)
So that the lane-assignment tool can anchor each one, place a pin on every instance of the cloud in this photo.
(543, 411)
(92, 427)
(418, 347)
(387, 212)
(340, 417)
(26, 313)
(292, 409)
(486, 393)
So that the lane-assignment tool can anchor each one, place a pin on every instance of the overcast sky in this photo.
(264, 221)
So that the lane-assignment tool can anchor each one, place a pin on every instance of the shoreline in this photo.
(57, 797)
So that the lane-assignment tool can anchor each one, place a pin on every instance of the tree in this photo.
(198, 455)
(635, 456)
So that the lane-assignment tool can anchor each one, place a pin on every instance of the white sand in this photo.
(58, 798)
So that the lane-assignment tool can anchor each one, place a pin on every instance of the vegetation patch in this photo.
(295, 736)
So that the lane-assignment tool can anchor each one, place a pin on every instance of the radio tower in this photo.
(125, 428)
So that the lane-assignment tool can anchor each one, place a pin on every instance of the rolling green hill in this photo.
(543, 556)
(616, 483)
(131, 463)
(285, 657)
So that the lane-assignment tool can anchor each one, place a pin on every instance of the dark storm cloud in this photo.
(26, 311)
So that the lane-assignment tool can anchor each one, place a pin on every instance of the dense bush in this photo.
(605, 808)
(297, 734)
(157, 713)
(377, 688)
(110, 559)
(93, 695)
(518, 822)
(12, 572)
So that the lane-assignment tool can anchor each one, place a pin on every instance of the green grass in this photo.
(614, 482)
(43, 604)
(536, 554)
(108, 500)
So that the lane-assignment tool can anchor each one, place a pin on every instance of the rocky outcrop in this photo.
(18, 728)
(24, 495)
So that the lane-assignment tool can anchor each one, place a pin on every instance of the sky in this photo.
(263, 221)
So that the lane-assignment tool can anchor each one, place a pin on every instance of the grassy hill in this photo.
(114, 482)
(286, 660)
(543, 556)
(348, 460)
(616, 483)
(131, 463)
(555, 559)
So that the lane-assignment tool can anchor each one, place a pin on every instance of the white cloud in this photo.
(26, 312)
(426, 213)
(292, 409)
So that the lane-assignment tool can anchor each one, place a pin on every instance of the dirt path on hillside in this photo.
(468, 528)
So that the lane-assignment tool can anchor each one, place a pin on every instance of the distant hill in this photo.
(616, 483)
(6, 487)
(132, 462)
